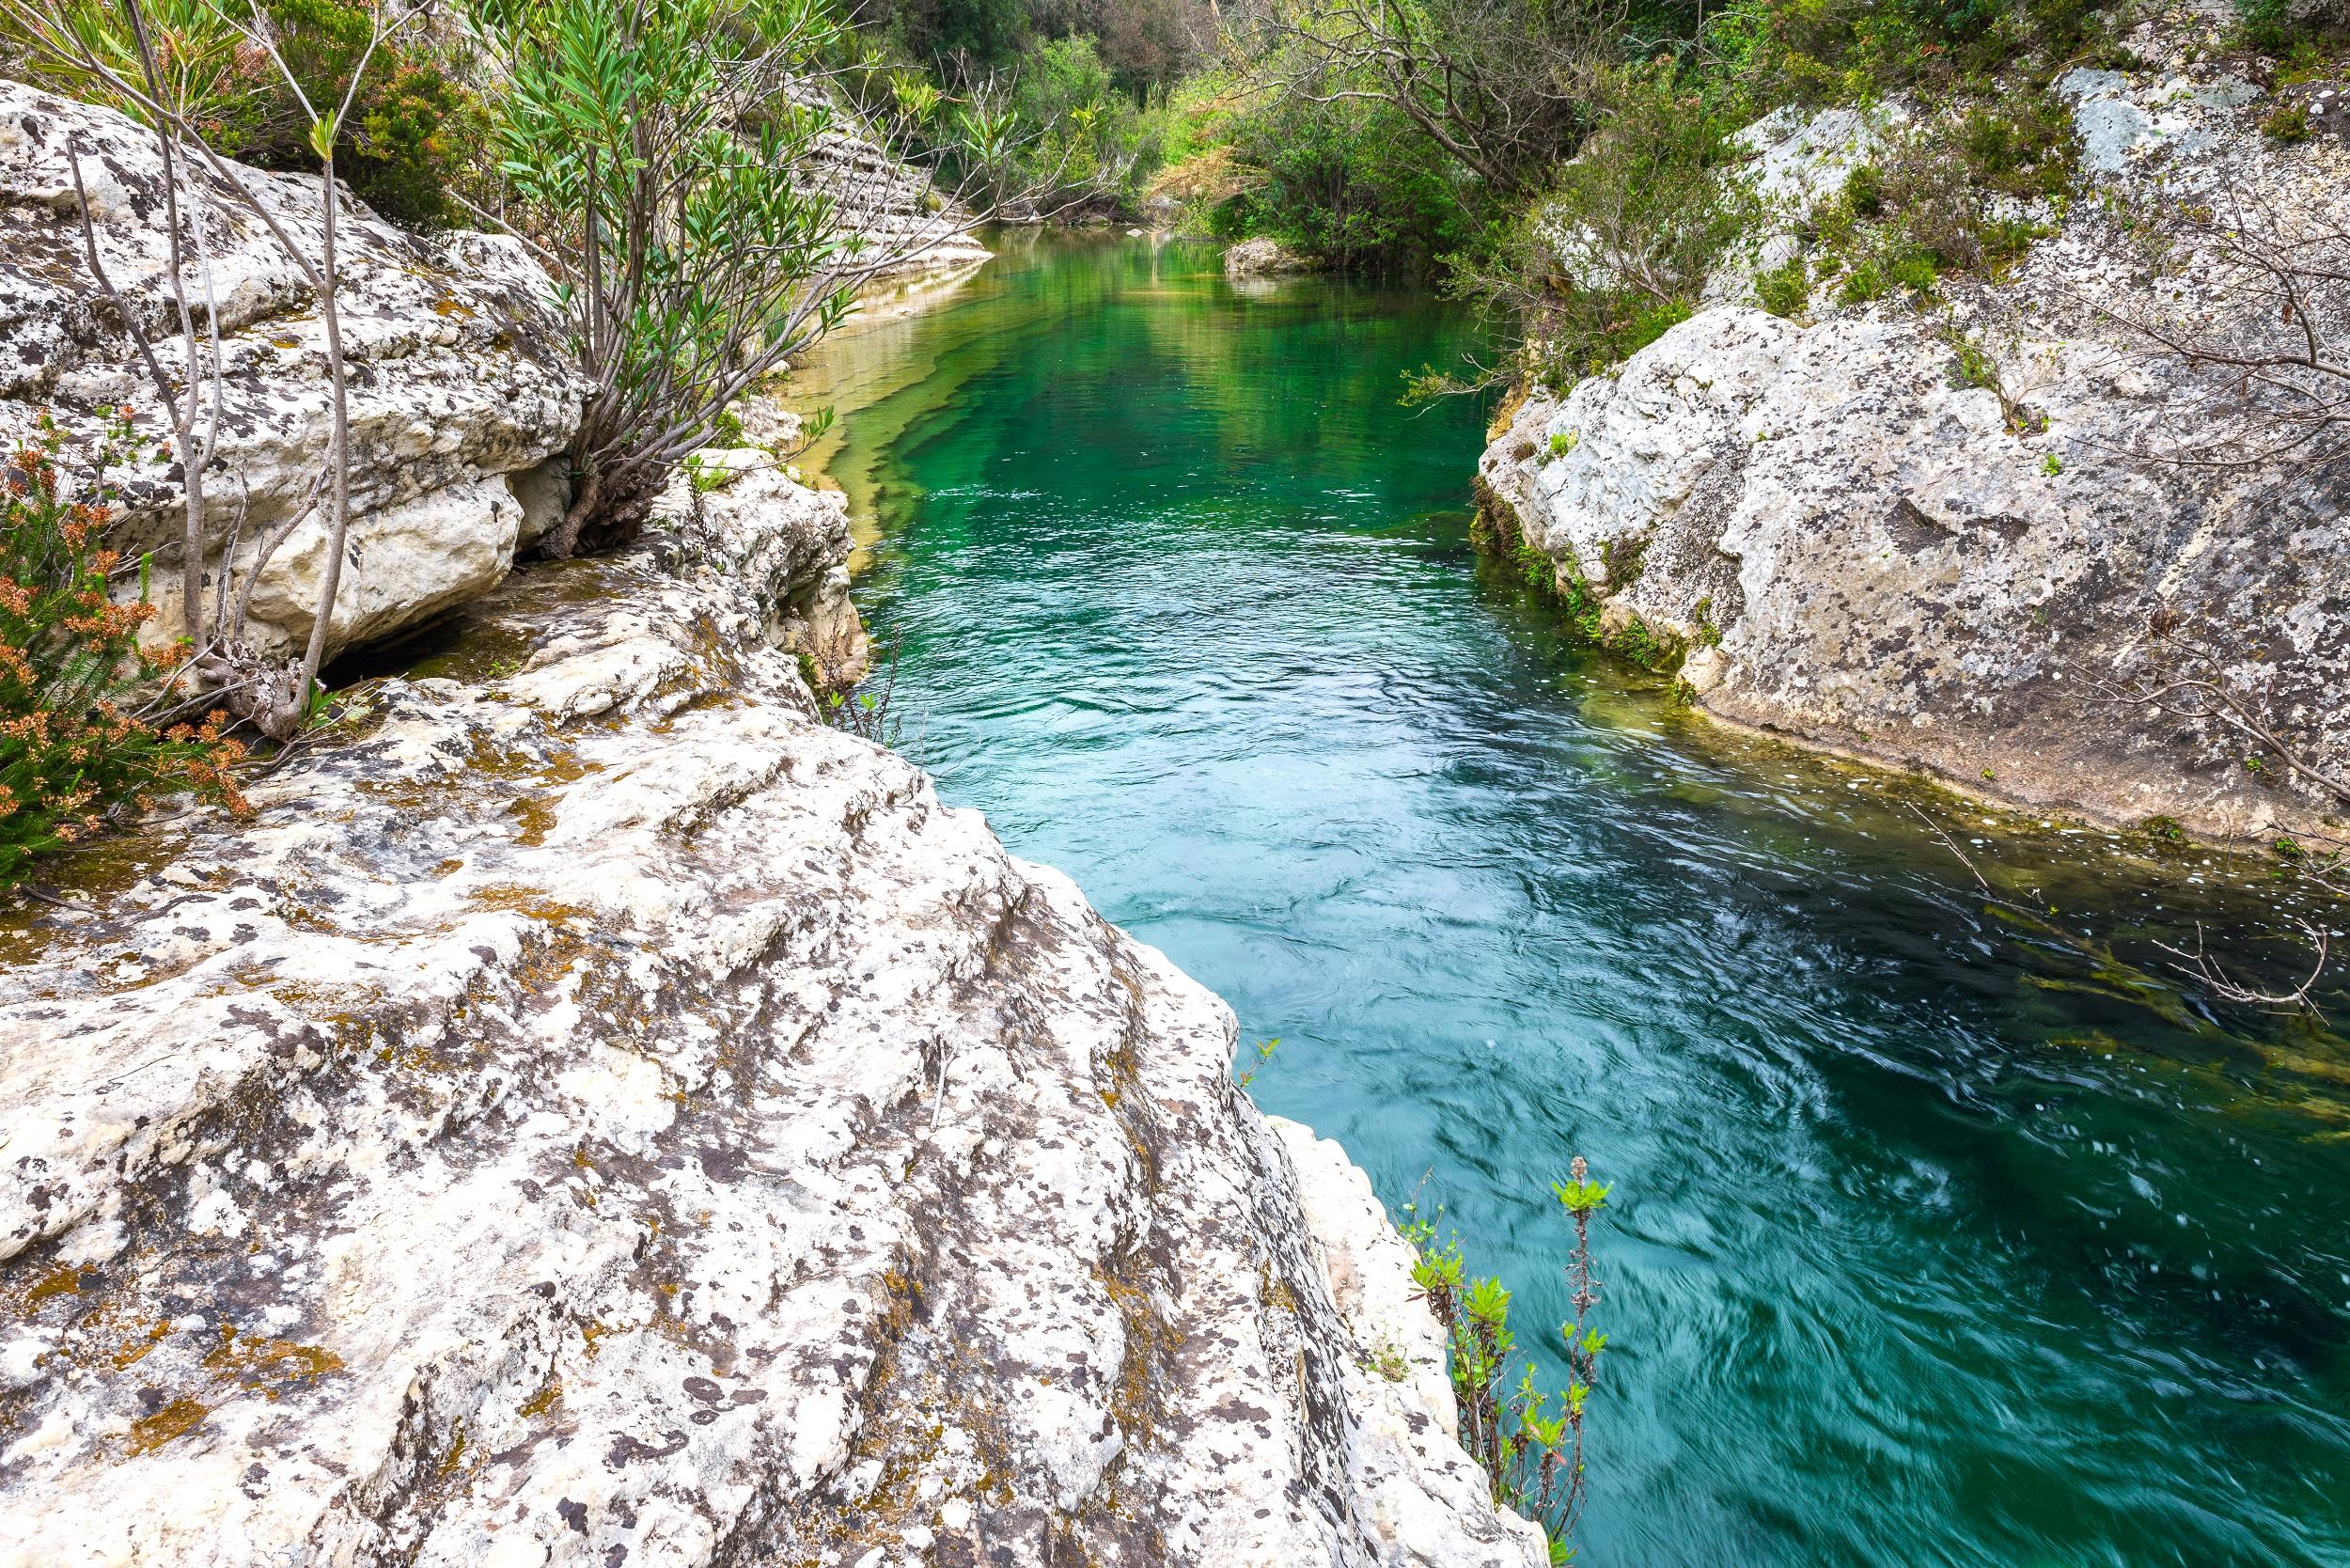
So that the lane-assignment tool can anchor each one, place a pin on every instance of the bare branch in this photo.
(2198, 965)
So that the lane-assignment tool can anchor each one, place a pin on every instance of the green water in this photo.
(1939, 1238)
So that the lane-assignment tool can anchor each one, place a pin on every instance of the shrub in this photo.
(75, 757)
(1617, 253)
(1865, 282)
(1786, 288)
(980, 32)
(662, 151)
(2020, 145)
(2288, 122)
(1085, 138)
(415, 130)
(1919, 214)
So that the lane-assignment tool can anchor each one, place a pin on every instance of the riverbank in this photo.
(592, 1109)
(578, 1105)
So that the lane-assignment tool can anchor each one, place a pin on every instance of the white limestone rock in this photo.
(1407, 1459)
(1861, 545)
(461, 387)
(1263, 258)
(595, 1113)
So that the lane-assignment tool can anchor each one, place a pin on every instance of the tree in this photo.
(1503, 86)
(131, 68)
(680, 169)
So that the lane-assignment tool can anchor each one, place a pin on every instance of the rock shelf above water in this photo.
(595, 1113)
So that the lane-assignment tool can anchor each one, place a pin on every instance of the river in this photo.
(1939, 1235)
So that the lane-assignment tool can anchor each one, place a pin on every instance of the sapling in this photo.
(277, 701)
(1532, 1452)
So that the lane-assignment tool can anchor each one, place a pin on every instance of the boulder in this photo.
(1950, 537)
(597, 1114)
(1263, 258)
(460, 388)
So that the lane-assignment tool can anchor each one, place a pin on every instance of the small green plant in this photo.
(2288, 122)
(77, 754)
(1702, 613)
(1914, 271)
(1786, 288)
(1264, 1058)
(2052, 465)
(1532, 1451)
(1563, 442)
(1864, 284)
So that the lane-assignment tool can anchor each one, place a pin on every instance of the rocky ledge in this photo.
(593, 1113)
(1929, 531)
(462, 393)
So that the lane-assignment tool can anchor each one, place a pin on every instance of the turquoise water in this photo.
(1938, 1238)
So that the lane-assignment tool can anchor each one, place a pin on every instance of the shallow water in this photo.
(1940, 1237)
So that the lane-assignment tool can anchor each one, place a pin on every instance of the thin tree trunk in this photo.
(182, 410)
(339, 504)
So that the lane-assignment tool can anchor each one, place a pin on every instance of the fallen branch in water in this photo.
(2200, 965)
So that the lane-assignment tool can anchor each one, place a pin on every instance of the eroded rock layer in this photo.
(594, 1114)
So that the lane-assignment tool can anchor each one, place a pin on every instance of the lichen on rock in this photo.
(593, 1113)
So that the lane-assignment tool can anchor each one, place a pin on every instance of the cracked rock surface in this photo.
(594, 1114)
(461, 385)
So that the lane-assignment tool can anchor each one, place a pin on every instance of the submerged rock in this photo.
(461, 383)
(1945, 536)
(594, 1114)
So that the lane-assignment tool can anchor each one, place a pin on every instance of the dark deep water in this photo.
(1938, 1238)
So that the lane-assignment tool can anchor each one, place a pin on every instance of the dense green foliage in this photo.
(1847, 51)
(1349, 183)
(414, 129)
(663, 153)
(76, 755)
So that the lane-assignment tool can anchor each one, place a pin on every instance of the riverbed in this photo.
(1950, 1225)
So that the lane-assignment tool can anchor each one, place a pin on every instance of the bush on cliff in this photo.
(415, 130)
(77, 754)
(1617, 251)
(673, 165)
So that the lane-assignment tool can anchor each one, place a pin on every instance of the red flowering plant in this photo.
(79, 752)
